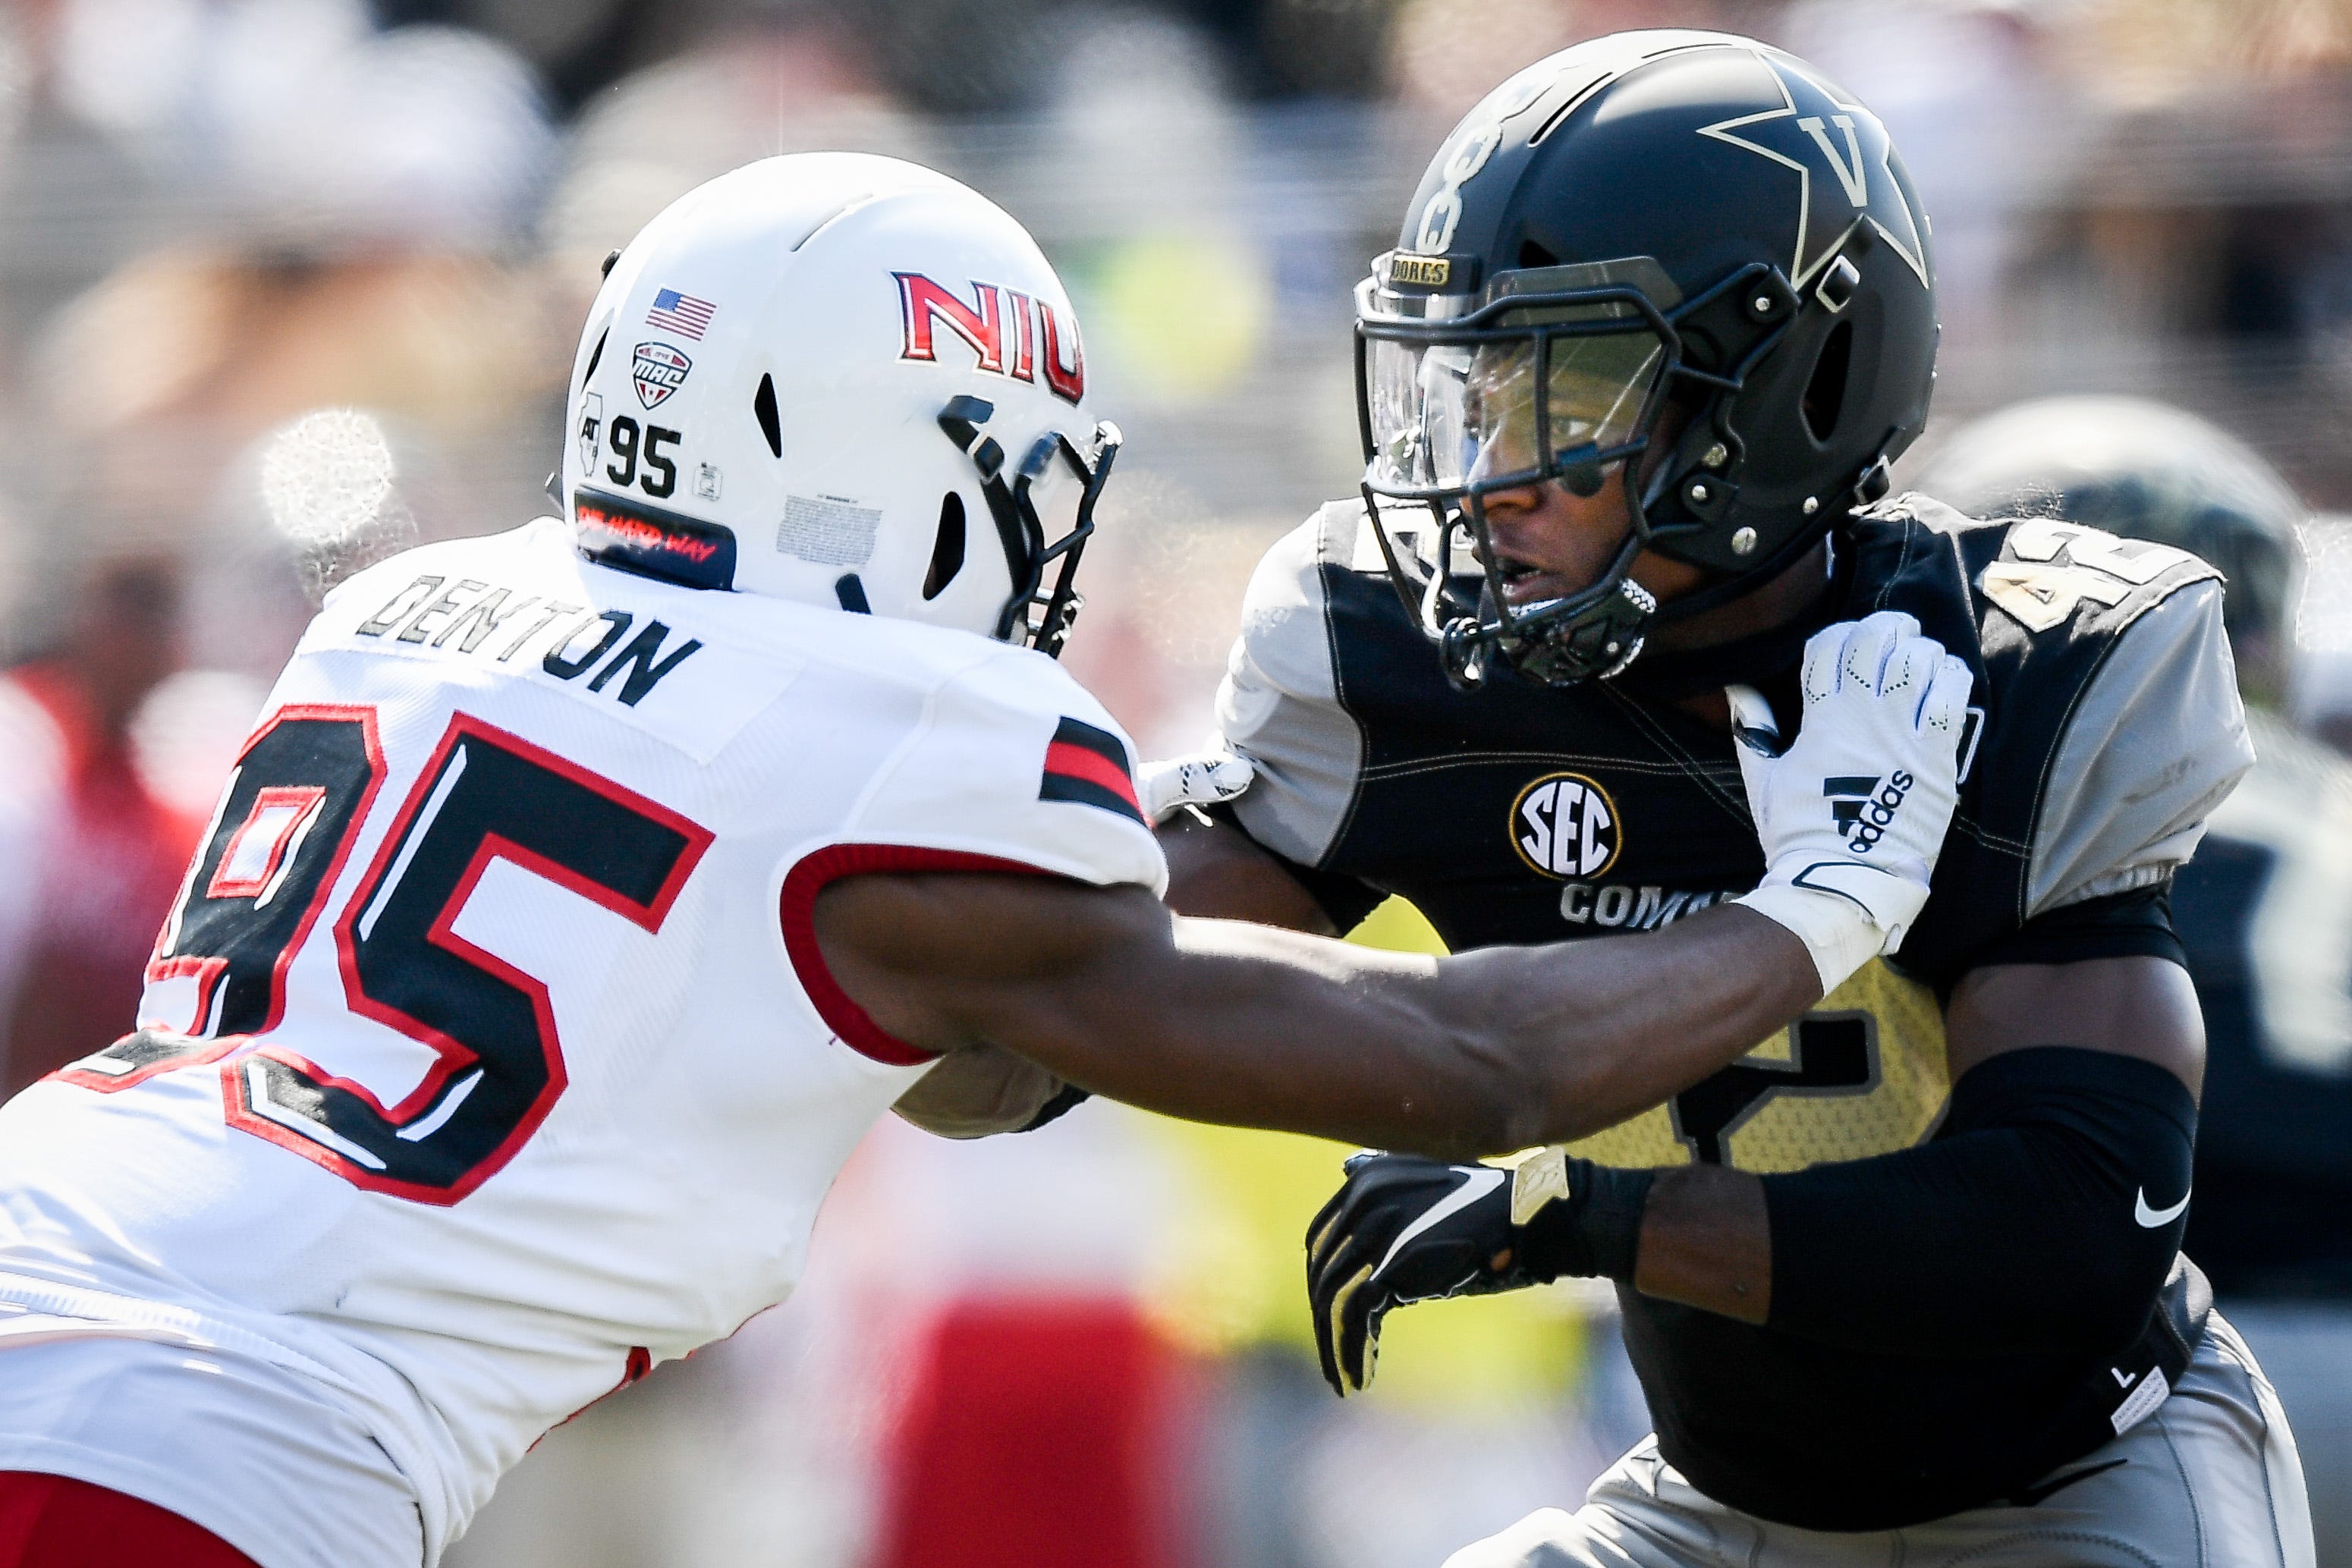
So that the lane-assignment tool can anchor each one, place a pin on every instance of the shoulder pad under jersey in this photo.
(1279, 702)
(1015, 761)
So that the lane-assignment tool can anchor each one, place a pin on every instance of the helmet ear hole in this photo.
(947, 551)
(763, 408)
(1825, 393)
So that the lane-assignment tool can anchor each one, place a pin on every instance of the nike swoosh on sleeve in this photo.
(1483, 1179)
(2156, 1218)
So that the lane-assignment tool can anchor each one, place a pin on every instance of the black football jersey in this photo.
(2105, 726)
(2265, 914)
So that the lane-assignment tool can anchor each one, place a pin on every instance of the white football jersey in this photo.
(488, 1058)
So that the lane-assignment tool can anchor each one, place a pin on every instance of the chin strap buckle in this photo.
(1461, 651)
(1874, 481)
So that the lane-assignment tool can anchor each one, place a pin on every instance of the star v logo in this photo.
(1813, 133)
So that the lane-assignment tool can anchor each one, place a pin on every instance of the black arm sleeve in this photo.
(2021, 1228)
(2120, 926)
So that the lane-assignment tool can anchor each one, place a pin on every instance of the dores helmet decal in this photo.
(999, 327)
(658, 370)
(1565, 825)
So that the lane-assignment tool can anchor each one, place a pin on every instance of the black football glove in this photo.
(1404, 1229)
(1401, 1230)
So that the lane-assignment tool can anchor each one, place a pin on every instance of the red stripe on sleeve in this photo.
(1074, 761)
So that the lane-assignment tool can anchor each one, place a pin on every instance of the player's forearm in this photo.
(2009, 1240)
(1245, 1025)
(2040, 1219)
(1594, 1032)
(1249, 1026)
(1459, 1057)
(1707, 1242)
(2025, 1228)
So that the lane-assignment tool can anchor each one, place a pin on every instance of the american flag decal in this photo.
(680, 313)
(1089, 766)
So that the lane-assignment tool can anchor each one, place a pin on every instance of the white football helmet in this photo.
(846, 380)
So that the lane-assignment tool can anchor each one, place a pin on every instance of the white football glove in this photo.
(1206, 779)
(1853, 814)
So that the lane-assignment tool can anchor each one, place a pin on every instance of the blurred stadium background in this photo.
(263, 262)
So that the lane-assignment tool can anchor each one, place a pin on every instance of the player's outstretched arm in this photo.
(1478, 1053)
(1241, 1024)
(1214, 869)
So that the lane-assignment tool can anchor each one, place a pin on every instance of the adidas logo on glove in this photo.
(1864, 810)
(1878, 695)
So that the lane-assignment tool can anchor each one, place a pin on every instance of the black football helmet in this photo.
(2147, 471)
(1647, 219)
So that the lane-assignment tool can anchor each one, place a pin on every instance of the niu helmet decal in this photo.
(999, 327)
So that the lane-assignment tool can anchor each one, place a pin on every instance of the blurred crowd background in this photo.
(263, 262)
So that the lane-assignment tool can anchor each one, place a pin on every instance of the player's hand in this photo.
(1856, 808)
(1205, 779)
(1403, 1230)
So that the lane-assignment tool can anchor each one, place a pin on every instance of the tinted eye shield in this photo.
(1603, 324)
(1522, 389)
(1534, 327)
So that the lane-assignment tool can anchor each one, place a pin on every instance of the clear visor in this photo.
(1445, 417)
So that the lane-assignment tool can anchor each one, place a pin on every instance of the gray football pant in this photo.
(2210, 1479)
(2306, 1349)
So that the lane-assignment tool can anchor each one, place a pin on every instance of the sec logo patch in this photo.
(1565, 825)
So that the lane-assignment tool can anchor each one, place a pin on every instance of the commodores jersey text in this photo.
(2107, 727)
(487, 1057)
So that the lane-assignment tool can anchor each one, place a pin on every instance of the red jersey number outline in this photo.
(208, 969)
(455, 1056)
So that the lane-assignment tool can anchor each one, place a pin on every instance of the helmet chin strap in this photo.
(1730, 590)
(1588, 635)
